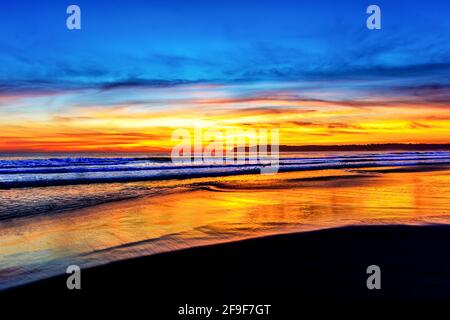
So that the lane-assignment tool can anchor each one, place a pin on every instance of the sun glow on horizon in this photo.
(104, 121)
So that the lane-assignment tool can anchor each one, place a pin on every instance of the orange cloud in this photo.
(129, 127)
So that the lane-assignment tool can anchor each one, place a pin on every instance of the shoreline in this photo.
(323, 264)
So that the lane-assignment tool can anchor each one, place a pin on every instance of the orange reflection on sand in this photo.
(205, 211)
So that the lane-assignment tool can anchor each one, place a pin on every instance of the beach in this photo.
(312, 231)
(210, 159)
(292, 272)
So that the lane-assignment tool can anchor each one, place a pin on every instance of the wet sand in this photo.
(206, 212)
(325, 265)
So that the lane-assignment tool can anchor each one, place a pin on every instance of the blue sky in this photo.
(176, 41)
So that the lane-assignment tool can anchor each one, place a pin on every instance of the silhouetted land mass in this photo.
(365, 147)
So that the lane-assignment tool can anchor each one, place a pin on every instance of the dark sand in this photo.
(284, 270)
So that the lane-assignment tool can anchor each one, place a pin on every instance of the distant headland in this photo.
(367, 147)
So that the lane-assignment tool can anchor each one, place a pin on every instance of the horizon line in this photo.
(282, 148)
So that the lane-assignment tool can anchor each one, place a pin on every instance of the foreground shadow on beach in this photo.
(328, 265)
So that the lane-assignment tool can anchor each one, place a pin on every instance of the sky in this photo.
(138, 70)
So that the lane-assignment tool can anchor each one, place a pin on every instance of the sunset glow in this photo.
(58, 122)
